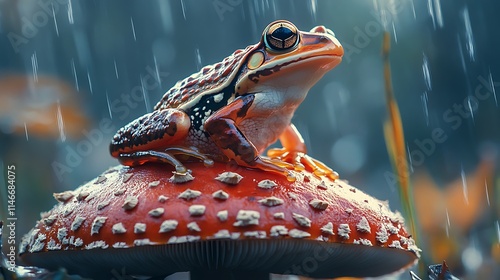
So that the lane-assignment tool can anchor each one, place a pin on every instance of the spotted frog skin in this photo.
(233, 110)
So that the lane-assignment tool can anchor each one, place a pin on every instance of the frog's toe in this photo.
(288, 159)
(190, 152)
(281, 163)
(320, 169)
(286, 170)
(276, 152)
(300, 161)
(299, 166)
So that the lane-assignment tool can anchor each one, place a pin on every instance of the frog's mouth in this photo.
(318, 63)
(326, 62)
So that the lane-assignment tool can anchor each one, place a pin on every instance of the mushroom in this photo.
(216, 228)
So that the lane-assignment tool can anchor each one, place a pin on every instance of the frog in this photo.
(232, 111)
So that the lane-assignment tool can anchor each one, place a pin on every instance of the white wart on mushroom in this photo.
(127, 207)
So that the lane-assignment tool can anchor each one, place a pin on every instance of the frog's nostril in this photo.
(322, 29)
(319, 29)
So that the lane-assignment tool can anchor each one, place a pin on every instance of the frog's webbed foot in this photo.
(167, 156)
(273, 165)
(300, 161)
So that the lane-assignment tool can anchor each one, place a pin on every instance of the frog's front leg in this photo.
(294, 151)
(223, 130)
(154, 137)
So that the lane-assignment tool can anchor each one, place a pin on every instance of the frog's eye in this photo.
(281, 36)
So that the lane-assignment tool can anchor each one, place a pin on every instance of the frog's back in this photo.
(213, 78)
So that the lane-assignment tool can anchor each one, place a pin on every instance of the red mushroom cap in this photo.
(152, 224)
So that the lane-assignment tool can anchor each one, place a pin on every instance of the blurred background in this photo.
(74, 72)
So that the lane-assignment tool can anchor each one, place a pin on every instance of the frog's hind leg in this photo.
(155, 137)
(224, 132)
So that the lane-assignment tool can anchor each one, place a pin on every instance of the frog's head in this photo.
(289, 60)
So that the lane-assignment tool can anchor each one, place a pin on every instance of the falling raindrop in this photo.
(90, 82)
(395, 35)
(375, 5)
(70, 12)
(145, 94)
(425, 105)
(447, 217)
(439, 14)
(490, 78)
(461, 52)
(109, 106)
(60, 122)
(157, 71)
(487, 194)
(73, 68)
(313, 8)
(386, 12)
(469, 104)
(430, 9)
(198, 59)
(464, 186)
(447, 223)
(183, 10)
(427, 75)
(34, 66)
(413, 10)
(410, 160)
(133, 28)
(55, 20)
(498, 231)
(26, 131)
(468, 33)
(116, 69)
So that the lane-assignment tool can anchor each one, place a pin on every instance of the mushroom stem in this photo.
(229, 275)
